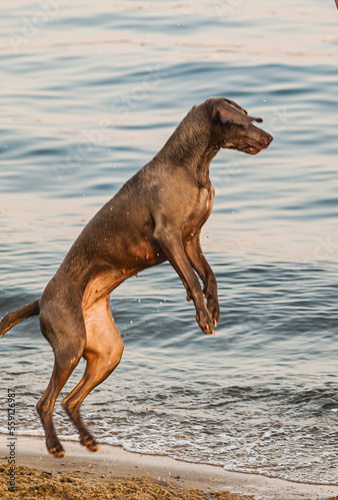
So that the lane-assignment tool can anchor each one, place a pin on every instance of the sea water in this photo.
(90, 92)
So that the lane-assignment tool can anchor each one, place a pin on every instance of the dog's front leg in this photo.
(198, 261)
(171, 244)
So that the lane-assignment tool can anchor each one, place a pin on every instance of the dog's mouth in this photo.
(251, 149)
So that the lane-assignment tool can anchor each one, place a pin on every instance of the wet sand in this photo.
(113, 473)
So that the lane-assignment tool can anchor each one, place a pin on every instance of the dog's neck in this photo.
(192, 146)
(203, 166)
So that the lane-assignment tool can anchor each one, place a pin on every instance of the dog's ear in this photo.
(228, 114)
(255, 119)
(219, 115)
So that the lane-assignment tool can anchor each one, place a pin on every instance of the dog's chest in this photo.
(200, 211)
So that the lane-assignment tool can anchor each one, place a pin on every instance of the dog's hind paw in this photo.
(56, 448)
(90, 443)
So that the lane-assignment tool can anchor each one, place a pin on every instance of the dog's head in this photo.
(233, 127)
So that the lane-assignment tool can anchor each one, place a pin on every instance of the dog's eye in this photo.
(241, 125)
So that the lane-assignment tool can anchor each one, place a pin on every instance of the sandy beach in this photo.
(115, 473)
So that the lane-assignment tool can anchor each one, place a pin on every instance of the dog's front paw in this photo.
(205, 322)
(213, 308)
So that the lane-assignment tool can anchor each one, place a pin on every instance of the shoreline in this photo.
(114, 463)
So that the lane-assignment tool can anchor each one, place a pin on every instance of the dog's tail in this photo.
(13, 318)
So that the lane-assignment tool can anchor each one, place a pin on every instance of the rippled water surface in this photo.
(90, 92)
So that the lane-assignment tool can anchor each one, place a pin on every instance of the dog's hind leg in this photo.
(102, 352)
(67, 337)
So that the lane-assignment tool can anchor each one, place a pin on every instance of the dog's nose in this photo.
(267, 138)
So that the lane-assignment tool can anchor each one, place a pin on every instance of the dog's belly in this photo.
(102, 283)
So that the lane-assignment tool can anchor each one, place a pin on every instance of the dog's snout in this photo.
(267, 138)
(264, 139)
(270, 138)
